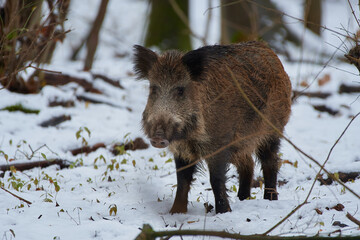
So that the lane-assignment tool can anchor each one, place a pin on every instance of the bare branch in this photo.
(353, 13)
(18, 197)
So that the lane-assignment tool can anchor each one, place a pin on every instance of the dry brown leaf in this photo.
(318, 211)
(324, 80)
(304, 83)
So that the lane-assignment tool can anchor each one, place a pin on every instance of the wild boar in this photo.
(199, 107)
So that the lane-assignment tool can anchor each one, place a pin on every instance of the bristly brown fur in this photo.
(195, 106)
(143, 59)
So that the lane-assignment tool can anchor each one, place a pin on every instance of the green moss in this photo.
(21, 108)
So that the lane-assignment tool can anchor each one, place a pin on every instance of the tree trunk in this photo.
(239, 22)
(93, 37)
(312, 15)
(254, 20)
(166, 30)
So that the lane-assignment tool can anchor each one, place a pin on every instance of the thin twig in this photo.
(31, 62)
(44, 70)
(313, 184)
(298, 149)
(214, 153)
(322, 69)
(353, 13)
(18, 197)
(77, 223)
(342, 70)
(207, 26)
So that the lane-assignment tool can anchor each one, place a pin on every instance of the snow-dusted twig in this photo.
(14, 195)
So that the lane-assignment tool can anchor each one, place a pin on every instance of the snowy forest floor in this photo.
(106, 196)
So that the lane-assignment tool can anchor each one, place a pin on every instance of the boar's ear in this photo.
(195, 61)
(143, 60)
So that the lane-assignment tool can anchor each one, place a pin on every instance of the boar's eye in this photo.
(153, 90)
(180, 91)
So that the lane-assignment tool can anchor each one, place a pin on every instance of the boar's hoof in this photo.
(223, 209)
(270, 194)
(159, 142)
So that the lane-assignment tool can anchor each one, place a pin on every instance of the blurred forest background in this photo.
(31, 29)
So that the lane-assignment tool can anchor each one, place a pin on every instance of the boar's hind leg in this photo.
(184, 178)
(267, 153)
(245, 168)
(218, 167)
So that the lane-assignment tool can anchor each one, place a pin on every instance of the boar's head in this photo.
(173, 108)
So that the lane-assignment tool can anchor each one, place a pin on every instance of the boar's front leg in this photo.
(184, 179)
(218, 167)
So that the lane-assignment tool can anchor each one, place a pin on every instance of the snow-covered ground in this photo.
(84, 203)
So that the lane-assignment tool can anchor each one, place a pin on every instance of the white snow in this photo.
(143, 188)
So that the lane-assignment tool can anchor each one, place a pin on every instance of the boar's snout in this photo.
(159, 141)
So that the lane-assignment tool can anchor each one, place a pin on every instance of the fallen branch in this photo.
(18, 197)
(33, 164)
(65, 103)
(96, 101)
(349, 89)
(147, 233)
(324, 108)
(55, 121)
(344, 177)
(137, 144)
(62, 79)
(108, 80)
(354, 220)
(321, 95)
(87, 149)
